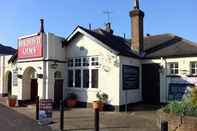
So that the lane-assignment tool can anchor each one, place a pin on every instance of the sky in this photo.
(21, 17)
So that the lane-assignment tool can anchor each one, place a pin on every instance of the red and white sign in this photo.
(30, 47)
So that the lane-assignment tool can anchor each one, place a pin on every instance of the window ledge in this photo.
(173, 76)
(192, 75)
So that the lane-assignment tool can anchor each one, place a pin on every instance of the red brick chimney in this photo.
(137, 30)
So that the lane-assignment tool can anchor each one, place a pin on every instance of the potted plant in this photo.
(71, 100)
(12, 100)
(101, 100)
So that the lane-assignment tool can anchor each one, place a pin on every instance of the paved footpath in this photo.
(11, 120)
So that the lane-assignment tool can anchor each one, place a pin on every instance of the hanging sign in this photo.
(30, 47)
(45, 111)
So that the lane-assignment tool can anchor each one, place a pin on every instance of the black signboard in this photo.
(130, 77)
(177, 91)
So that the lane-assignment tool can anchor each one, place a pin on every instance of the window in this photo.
(95, 78)
(70, 78)
(86, 78)
(82, 71)
(95, 61)
(70, 63)
(86, 61)
(78, 62)
(193, 67)
(78, 78)
(173, 68)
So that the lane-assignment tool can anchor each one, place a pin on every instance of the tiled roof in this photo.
(168, 45)
(116, 43)
(156, 46)
(6, 50)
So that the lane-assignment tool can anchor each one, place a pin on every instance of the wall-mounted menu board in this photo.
(15, 79)
(130, 77)
(177, 90)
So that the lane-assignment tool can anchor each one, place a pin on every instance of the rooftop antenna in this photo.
(108, 14)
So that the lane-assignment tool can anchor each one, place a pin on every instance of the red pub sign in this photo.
(30, 47)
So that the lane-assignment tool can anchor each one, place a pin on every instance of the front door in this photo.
(151, 83)
(9, 83)
(58, 92)
(34, 89)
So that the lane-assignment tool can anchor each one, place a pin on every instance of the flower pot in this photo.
(71, 102)
(98, 105)
(12, 102)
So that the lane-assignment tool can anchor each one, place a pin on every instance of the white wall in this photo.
(184, 64)
(108, 70)
(54, 49)
(4, 68)
(133, 95)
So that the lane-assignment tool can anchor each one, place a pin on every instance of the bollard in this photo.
(164, 126)
(96, 119)
(61, 115)
(37, 107)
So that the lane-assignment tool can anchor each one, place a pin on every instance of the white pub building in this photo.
(152, 69)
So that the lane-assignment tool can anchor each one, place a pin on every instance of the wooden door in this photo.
(34, 89)
(58, 92)
(9, 83)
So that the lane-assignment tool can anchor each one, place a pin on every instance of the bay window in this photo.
(83, 72)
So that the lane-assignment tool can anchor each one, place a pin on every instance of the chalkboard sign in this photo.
(45, 111)
(130, 77)
(177, 91)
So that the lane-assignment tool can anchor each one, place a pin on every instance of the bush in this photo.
(188, 106)
(71, 96)
(194, 96)
(102, 96)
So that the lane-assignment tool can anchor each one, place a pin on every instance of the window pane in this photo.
(193, 71)
(78, 62)
(193, 65)
(176, 65)
(85, 61)
(171, 65)
(70, 78)
(85, 78)
(70, 63)
(95, 78)
(95, 61)
(78, 78)
(176, 71)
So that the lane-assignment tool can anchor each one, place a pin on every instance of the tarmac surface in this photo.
(10, 120)
(139, 118)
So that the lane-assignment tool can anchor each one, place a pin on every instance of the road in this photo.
(11, 120)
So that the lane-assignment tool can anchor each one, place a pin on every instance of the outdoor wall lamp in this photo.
(54, 65)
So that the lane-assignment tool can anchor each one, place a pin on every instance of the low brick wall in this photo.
(176, 123)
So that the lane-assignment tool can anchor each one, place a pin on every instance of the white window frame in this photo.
(90, 67)
(195, 67)
(174, 68)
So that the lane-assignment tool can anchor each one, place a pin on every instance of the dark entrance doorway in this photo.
(151, 83)
(34, 89)
(9, 84)
(58, 92)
